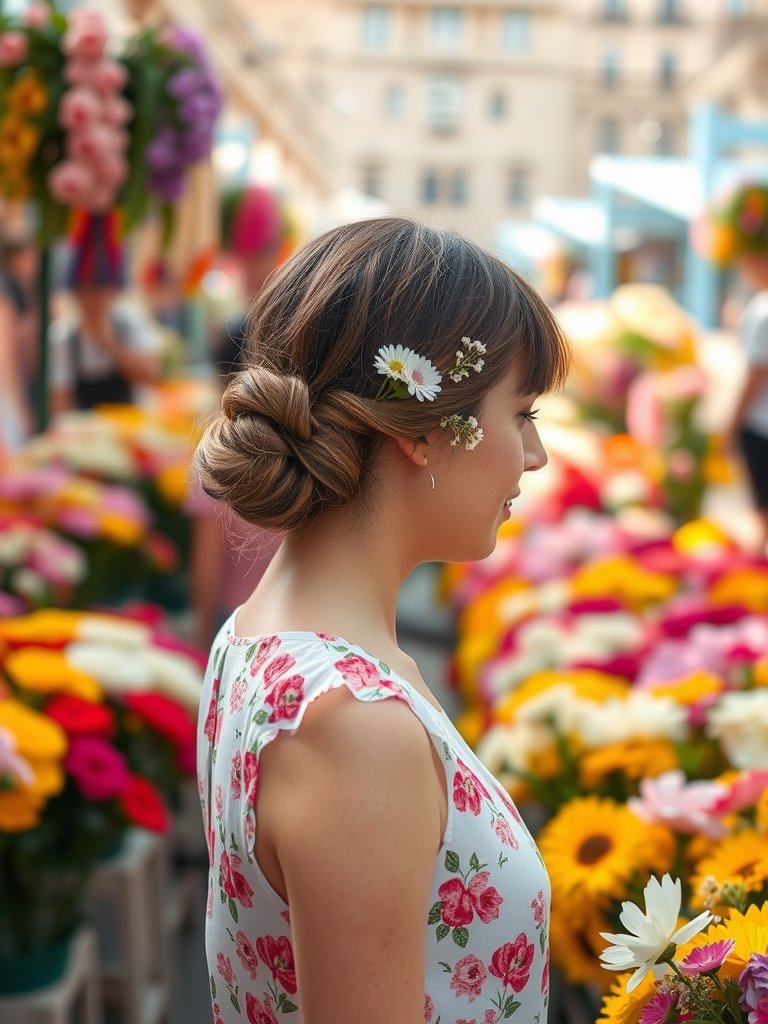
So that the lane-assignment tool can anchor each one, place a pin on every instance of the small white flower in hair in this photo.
(465, 431)
(467, 358)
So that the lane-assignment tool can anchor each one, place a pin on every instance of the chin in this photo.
(472, 550)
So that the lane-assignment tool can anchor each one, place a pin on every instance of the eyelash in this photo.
(529, 417)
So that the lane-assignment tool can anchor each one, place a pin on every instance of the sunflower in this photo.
(594, 846)
(636, 758)
(740, 859)
(749, 930)
(620, 1008)
(576, 945)
(586, 683)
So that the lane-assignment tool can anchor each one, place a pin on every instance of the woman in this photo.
(364, 864)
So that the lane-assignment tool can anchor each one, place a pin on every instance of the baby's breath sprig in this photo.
(465, 431)
(468, 357)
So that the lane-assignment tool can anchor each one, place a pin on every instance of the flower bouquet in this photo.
(37, 566)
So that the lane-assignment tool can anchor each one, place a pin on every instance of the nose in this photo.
(535, 454)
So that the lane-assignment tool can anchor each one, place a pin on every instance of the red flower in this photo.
(259, 1013)
(278, 956)
(264, 652)
(224, 965)
(168, 719)
(545, 976)
(217, 1014)
(210, 719)
(100, 772)
(236, 775)
(234, 884)
(461, 903)
(251, 777)
(468, 790)
(143, 806)
(278, 667)
(246, 954)
(512, 962)
(358, 672)
(76, 715)
(286, 698)
(469, 974)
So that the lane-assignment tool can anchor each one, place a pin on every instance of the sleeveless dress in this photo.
(486, 922)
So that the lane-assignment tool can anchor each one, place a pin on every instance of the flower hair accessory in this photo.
(409, 374)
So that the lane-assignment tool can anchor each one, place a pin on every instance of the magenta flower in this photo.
(100, 772)
(707, 958)
(663, 1009)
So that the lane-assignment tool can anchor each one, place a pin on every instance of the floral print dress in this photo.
(485, 926)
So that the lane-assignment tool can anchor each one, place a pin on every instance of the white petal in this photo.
(633, 919)
(692, 928)
(637, 977)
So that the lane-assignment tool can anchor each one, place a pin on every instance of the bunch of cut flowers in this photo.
(37, 566)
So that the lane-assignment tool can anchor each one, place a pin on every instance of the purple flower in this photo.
(195, 109)
(188, 41)
(197, 145)
(707, 958)
(185, 84)
(754, 989)
(162, 152)
(168, 185)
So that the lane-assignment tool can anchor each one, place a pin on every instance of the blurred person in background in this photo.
(109, 349)
(747, 214)
(16, 422)
(19, 267)
(228, 556)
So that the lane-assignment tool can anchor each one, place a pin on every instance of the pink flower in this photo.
(209, 728)
(257, 1012)
(13, 49)
(278, 667)
(236, 775)
(89, 144)
(109, 76)
(100, 772)
(251, 776)
(219, 802)
(505, 833)
(278, 956)
(117, 111)
(505, 799)
(209, 904)
(469, 974)
(512, 962)
(358, 672)
(246, 954)
(286, 698)
(460, 902)
(71, 183)
(224, 965)
(538, 906)
(545, 976)
(86, 36)
(237, 694)
(662, 1007)
(429, 1008)
(217, 1014)
(78, 108)
(468, 790)
(211, 842)
(234, 884)
(743, 792)
(36, 16)
(264, 652)
(707, 958)
(489, 1017)
(686, 806)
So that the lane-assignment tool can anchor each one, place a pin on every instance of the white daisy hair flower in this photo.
(393, 361)
(422, 378)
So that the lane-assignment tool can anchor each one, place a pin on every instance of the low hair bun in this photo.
(273, 456)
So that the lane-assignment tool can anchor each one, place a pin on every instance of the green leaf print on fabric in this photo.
(435, 912)
(461, 936)
(251, 651)
(447, 751)
(452, 862)
(232, 909)
(260, 717)
(441, 931)
(510, 1006)
(285, 1005)
(235, 1003)
(543, 941)
(385, 668)
(213, 987)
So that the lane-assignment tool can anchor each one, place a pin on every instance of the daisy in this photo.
(395, 361)
(422, 378)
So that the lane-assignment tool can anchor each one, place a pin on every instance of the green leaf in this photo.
(260, 717)
(441, 931)
(446, 967)
(447, 751)
(213, 987)
(510, 1006)
(287, 1006)
(461, 936)
(384, 668)
(452, 861)
(340, 648)
(233, 1000)
(233, 910)
(474, 862)
(543, 940)
(251, 651)
(435, 912)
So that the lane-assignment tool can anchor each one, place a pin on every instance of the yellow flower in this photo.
(761, 812)
(621, 577)
(172, 483)
(45, 671)
(576, 945)
(586, 683)
(47, 626)
(760, 672)
(593, 847)
(472, 653)
(620, 1008)
(636, 759)
(19, 810)
(49, 778)
(742, 858)
(38, 738)
(120, 529)
(28, 96)
(486, 613)
(750, 931)
(471, 724)
(747, 587)
(690, 689)
(18, 140)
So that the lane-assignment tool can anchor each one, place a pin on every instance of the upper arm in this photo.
(351, 806)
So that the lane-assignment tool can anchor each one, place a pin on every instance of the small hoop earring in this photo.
(431, 477)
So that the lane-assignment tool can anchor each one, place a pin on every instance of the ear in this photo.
(412, 450)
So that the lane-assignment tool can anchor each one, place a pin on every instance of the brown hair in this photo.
(298, 425)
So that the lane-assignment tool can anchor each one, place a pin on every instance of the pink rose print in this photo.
(285, 916)
(246, 954)
(259, 1013)
(211, 837)
(505, 833)
(460, 902)
(358, 672)
(429, 1009)
(545, 976)
(236, 775)
(250, 830)
(510, 806)
(209, 905)
(264, 652)
(251, 778)
(278, 956)
(538, 906)
(512, 962)
(468, 977)
(234, 884)
(219, 802)
(286, 698)
(237, 694)
(327, 637)
(217, 1014)
(468, 790)
(278, 667)
(210, 719)
(224, 965)
(490, 1017)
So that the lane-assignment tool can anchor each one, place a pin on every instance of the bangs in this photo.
(547, 350)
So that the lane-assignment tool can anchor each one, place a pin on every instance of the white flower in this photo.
(175, 676)
(650, 933)
(111, 629)
(505, 749)
(395, 361)
(467, 359)
(465, 431)
(638, 715)
(28, 583)
(740, 723)
(422, 378)
(117, 669)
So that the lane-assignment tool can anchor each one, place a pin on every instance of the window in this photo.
(370, 180)
(394, 102)
(669, 11)
(459, 188)
(446, 27)
(613, 10)
(518, 187)
(377, 27)
(429, 187)
(610, 68)
(609, 133)
(516, 31)
(443, 103)
(667, 69)
(497, 105)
